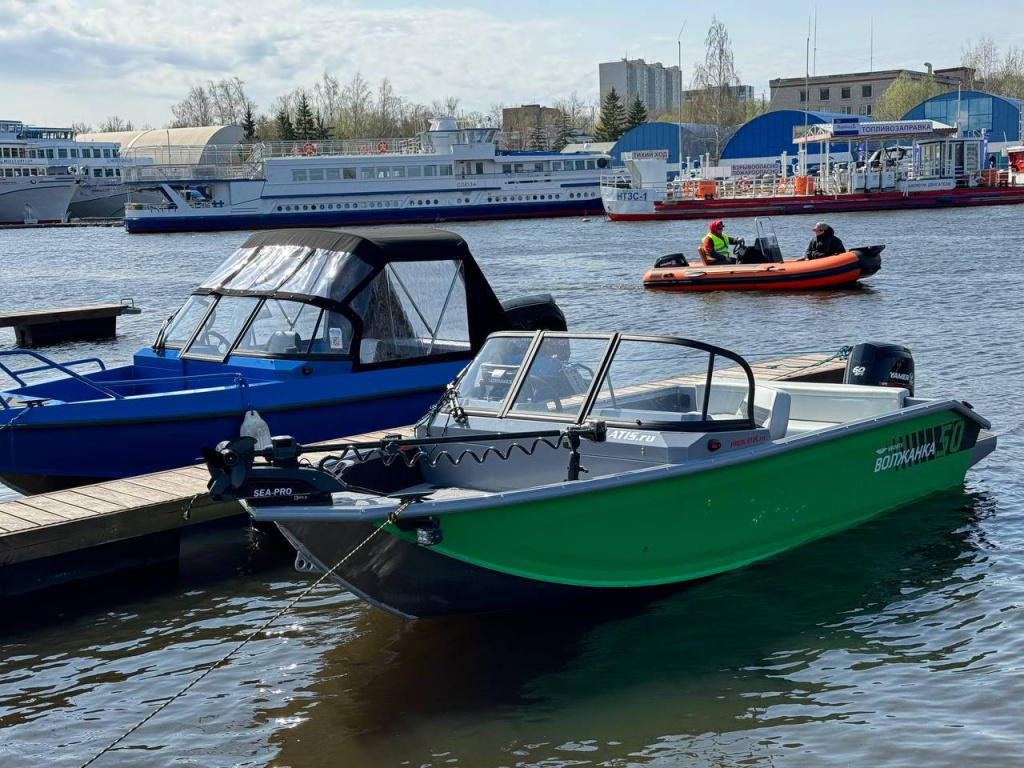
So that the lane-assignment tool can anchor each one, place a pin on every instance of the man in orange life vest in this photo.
(716, 244)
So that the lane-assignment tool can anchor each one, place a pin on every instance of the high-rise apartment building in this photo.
(657, 86)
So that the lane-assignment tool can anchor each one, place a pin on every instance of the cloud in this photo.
(88, 60)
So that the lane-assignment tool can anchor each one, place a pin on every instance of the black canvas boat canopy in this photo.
(330, 267)
(381, 297)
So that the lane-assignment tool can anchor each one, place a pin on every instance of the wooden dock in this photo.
(63, 536)
(49, 326)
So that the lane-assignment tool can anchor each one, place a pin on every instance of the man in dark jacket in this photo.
(825, 243)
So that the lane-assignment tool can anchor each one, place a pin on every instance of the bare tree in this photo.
(229, 100)
(714, 100)
(577, 112)
(80, 126)
(388, 108)
(446, 107)
(194, 111)
(993, 72)
(356, 105)
(327, 98)
(113, 124)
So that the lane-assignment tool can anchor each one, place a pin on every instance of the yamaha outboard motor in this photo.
(538, 312)
(880, 365)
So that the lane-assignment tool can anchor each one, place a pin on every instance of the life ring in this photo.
(743, 184)
(364, 149)
(382, 147)
(309, 148)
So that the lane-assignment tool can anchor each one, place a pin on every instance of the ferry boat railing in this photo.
(311, 148)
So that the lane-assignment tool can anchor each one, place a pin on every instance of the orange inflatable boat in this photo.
(674, 273)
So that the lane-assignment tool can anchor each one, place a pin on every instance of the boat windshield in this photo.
(635, 381)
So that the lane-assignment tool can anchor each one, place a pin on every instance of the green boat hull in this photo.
(650, 528)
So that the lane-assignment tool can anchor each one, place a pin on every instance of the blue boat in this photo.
(314, 333)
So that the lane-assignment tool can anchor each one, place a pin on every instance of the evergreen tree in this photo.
(285, 129)
(564, 135)
(322, 129)
(637, 114)
(305, 126)
(249, 123)
(538, 141)
(613, 118)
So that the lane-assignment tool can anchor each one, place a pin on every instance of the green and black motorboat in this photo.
(565, 465)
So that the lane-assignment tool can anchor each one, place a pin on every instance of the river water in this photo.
(900, 642)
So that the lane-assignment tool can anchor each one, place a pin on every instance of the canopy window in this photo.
(414, 309)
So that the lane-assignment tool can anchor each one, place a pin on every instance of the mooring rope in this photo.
(842, 354)
(391, 518)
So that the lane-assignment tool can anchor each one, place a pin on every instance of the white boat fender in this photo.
(255, 427)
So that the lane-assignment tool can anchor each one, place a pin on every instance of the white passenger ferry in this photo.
(98, 165)
(29, 193)
(445, 174)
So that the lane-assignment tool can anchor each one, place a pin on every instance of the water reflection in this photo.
(725, 656)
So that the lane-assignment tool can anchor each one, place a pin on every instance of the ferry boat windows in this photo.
(446, 170)
(430, 170)
(559, 375)
(506, 167)
(366, 173)
(397, 172)
(414, 309)
(74, 152)
(415, 172)
(185, 320)
(580, 165)
(106, 153)
(517, 167)
(479, 168)
(538, 166)
(222, 326)
(97, 172)
(298, 174)
(62, 153)
(316, 174)
(591, 165)
(108, 172)
(348, 173)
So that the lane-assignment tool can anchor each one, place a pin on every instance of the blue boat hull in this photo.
(64, 445)
(227, 221)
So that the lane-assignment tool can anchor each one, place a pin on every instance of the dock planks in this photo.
(70, 522)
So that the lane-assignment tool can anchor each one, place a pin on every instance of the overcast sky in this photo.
(83, 60)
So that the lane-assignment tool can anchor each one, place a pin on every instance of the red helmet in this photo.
(716, 225)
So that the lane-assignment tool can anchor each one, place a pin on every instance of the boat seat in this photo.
(771, 410)
(283, 343)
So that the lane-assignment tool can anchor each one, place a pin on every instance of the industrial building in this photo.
(762, 141)
(697, 140)
(974, 112)
(657, 86)
(853, 93)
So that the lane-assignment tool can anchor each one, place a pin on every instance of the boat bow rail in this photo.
(16, 374)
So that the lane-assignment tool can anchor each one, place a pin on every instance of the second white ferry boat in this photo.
(29, 193)
(447, 173)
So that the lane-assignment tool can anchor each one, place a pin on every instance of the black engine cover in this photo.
(885, 365)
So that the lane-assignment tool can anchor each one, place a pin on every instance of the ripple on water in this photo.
(899, 642)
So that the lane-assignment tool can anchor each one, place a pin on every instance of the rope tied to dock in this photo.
(390, 520)
(842, 353)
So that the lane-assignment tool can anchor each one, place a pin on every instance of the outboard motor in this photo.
(882, 365)
(672, 260)
(538, 312)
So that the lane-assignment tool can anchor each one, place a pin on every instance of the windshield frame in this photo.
(589, 398)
